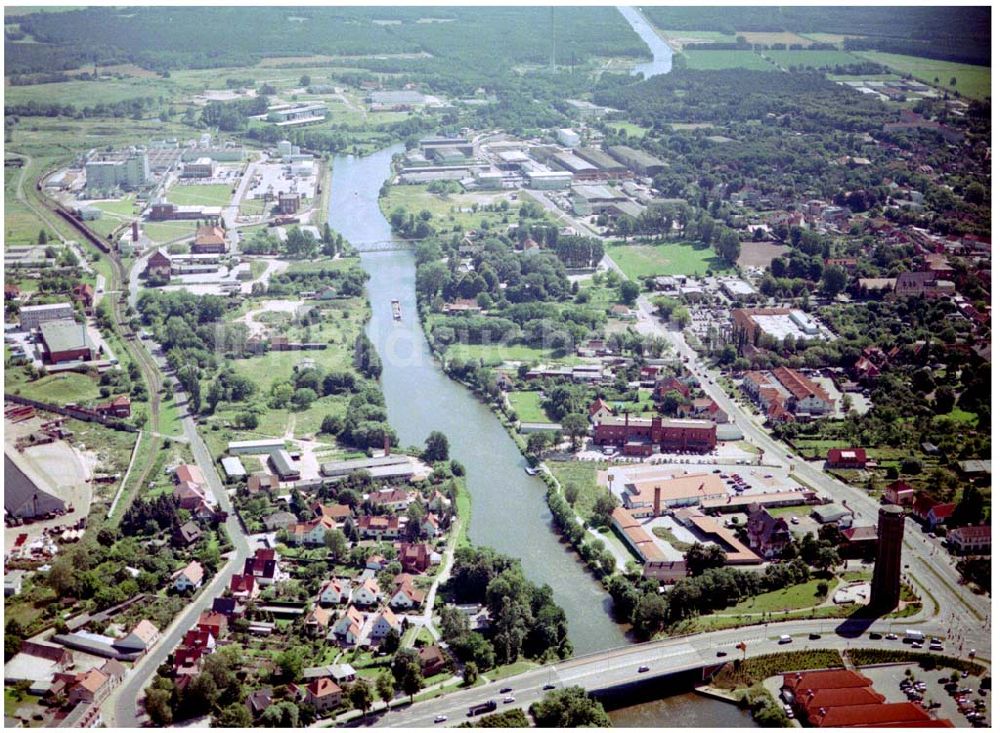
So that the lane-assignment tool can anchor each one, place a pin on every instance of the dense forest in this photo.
(470, 43)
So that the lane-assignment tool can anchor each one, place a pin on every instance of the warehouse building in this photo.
(282, 463)
(255, 447)
(581, 169)
(604, 162)
(66, 340)
(549, 180)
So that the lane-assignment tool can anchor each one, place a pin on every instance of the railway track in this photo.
(117, 293)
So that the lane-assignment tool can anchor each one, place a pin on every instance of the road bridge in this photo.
(614, 668)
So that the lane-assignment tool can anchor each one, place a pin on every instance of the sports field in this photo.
(644, 260)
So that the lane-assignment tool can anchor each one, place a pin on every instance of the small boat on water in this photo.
(531, 471)
(397, 312)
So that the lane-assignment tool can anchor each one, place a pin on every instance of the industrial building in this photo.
(127, 170)
(545, 180)
(209, 240)
(289, 115)
(641, 436)
(282, 463)
(200, 168)
(66, 340)
(32, 316)
(166, 211)
(430, 144)
(255, 447)
(581, 169)
(749, 323)
(568, 137)
(639, 161)
(604, 162)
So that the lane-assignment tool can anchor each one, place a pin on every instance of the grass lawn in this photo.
(11, 703)
(584, 475)
(207, 194)
(509, 670)
(712, 60)
(789, 511)
(813, 59)
(792, 598)
(644, 260)
(528, 406)
(971, 81)
(60, 388)
(665, 534)
(166, 231)
(961, 416)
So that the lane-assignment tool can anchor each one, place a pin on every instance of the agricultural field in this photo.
(714, 60)
(644, 260)
(837, 38)
(769, 38)
(971, 81)
(812, 59)
(684, 38)
(207, 194)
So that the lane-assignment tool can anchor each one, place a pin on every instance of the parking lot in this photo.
(934, 689)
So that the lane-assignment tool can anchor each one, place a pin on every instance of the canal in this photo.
(508, 506)
(663, 55)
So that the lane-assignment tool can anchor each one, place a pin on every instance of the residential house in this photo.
(317, 621)
(213, 623)
(670, 384)
(599, 409)
(404, 595)
(279, 520)
(334, 592)
(807, 396)
(228, 607)
(940, 514)
(415, 557)
(433, 660)
(311, 532)
(767, 535)
(899, 493)
(323, 695)
(337, 512)
(347, 630)
(120, 406)
(439, 503)
(378, 528)
(923, 285)
(846, 458)
(430, 527)
(705, 408)
(367, 594)
(187, 534)
(259, 700)
(263, 566)
(395, 500)
(262, 481)
(971, 540)
(84, 293)
(190, 577)
(385, 622)
(244, 586)
(140, 639)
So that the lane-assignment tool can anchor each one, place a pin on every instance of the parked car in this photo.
(504, 690)
(784, 639)
(440, 718)
(643, 668)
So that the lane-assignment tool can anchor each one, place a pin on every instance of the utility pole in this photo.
(552, 24)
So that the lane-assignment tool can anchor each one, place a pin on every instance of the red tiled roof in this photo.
(868, 715)
(824, 680)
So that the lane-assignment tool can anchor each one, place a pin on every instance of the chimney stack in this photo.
(626, 422)
(135, 231)
(656, 501)
(386, 447)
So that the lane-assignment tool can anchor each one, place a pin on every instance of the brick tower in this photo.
(888, 556)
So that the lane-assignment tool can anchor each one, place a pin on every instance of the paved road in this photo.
(577, 225)
(621, 666)
(121, 708)
(927, 561)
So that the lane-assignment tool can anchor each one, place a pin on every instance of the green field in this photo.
(454, 211)
(60, 388)
(166, 231)
(88, 93)
(629, 128)
(496, 354)
(971, 81)
(643, 260)
(693, 37)
(528, 406)
(713, 60)
(208, 194)
(584, 475)
(813, 59)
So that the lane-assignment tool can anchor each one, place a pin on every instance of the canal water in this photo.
(663, 55)
(508, 506)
